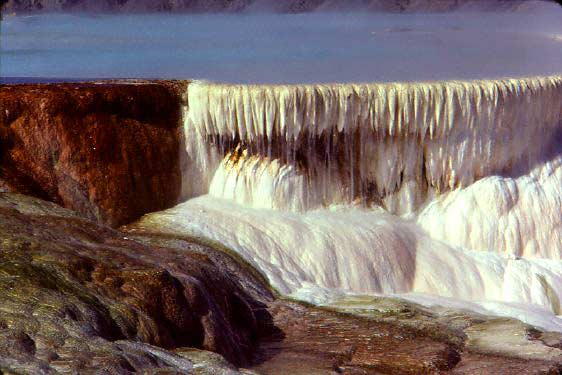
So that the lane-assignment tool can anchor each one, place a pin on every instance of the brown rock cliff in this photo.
(108, 151)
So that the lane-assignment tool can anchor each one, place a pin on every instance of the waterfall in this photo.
(447, 188)
(391, 144)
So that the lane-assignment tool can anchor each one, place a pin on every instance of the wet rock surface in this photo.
(407, 340)
(108, 151)
(318, 341)
(382, 335)
(80, 296)
(485, 344)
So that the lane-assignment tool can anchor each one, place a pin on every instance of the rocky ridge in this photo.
(78, 295)
(286, 6)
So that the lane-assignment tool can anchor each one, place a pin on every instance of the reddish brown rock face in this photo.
(318, 341)
(107, 151)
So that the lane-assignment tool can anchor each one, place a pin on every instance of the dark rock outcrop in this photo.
(108, 151)
(265, 5)
(77, 295)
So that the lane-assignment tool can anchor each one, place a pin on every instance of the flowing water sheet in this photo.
(439, 192)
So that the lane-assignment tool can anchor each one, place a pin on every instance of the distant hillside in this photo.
(285, 6)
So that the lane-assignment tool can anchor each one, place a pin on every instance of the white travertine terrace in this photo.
(438, 135)
(446, 188)
(396, 145)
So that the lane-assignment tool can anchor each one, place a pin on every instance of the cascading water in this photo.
(452, 189)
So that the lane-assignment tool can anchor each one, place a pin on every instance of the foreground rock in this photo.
(379, 335)
(78, 296)
(108, 151)
(485, 344)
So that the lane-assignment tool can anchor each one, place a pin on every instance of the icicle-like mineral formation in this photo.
(448, 188)
(393, 144)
